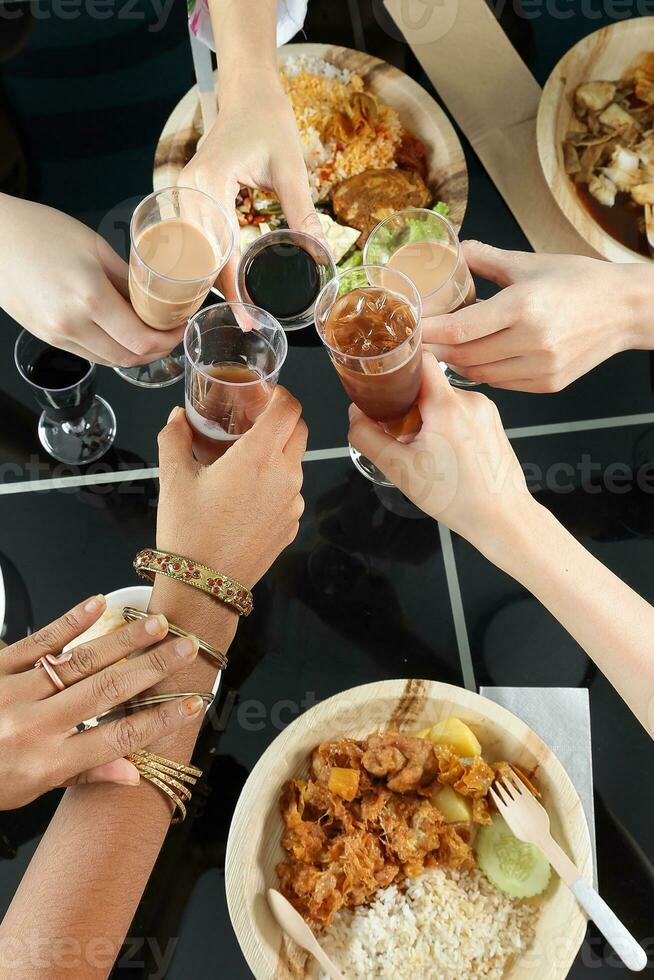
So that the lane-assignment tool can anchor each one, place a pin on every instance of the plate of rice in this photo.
(355, 113)
(447, 915)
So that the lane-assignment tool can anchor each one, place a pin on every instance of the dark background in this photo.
(362, 593)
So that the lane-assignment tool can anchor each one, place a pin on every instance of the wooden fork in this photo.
(530, 822)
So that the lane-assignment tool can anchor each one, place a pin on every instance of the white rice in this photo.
(446, 925)
(314, 66)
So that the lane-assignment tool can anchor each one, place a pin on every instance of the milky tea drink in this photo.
(381, 371)
(182, 260)
(444, 283)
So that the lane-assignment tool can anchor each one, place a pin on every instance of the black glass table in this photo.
(362, 594)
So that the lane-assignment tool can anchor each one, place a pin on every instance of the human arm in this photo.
(236, 515)
(66, 285)
(254, 141)
(461, 470)
(555, 318)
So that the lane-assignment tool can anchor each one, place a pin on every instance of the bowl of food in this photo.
(371, 814)
(137, 596)
(596, 139)
(374, 142)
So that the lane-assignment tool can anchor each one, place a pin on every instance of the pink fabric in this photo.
(290, 18)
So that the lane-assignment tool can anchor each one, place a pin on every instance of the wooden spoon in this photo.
(294, 925)
(649, 226)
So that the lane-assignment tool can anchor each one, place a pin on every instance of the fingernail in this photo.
(156, 624)
(350, 411)
(175, 412)
(95, 604)
(133, 781)
(186, 646)
(191, 706)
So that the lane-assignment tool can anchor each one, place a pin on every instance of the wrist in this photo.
(511, 537)
(239, 84)
(639, 301)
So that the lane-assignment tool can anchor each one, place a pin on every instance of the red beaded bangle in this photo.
(150, 562)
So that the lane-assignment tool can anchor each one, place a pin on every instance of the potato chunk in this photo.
(456, 734)
(344, 783)
(454, 807)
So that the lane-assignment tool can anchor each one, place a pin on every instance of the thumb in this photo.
(121, 771)
(292, 189)
(495, 264)
(176, 444)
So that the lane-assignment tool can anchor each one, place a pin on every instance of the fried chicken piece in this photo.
(480, 811)
(365, 199)
(409, 763)
(305, 842)
(345, 754)
(476, 780)
(450, 767)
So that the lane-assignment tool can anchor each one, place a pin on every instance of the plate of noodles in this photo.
(371, 814)
(374, 142)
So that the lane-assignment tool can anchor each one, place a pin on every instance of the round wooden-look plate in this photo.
(419, 113)
(606, 54)
(253, 848)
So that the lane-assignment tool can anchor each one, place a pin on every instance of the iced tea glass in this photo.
(234, 353)
(369, 321)
(425, 246)
(165, 302)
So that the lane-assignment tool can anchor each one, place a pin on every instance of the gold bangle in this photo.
(130, 614)
(177, 803)
(150, 562)
(169, 776)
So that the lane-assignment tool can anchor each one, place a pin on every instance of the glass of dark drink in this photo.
(282, 272)
(234, 353)
(425, 247)
(369, 321)
(76, 425)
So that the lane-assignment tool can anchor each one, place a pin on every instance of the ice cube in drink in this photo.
(381, 371)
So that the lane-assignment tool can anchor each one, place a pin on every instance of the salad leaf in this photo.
(352, 262)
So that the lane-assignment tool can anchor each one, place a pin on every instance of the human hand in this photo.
(254, 142)
(556, 318)
(39, 747)
(460, 468)
(239, 513)
(66, 285)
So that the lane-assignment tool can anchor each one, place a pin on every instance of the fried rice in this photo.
(344, 129)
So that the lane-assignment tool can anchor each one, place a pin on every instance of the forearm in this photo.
(86, 879)
(608, 619)
(245, 36)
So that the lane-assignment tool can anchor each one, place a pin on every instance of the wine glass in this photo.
(368, 318)
(76, 425)
(424, 246)
(234, 353)
(180, 239)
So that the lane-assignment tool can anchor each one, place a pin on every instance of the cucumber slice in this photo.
(519, 870)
